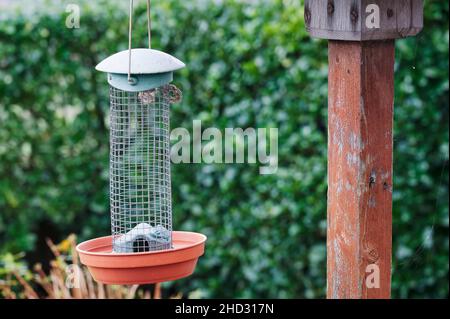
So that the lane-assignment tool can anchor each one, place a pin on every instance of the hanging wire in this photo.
(149, 24)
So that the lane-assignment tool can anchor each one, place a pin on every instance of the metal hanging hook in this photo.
(132, 80)
(130, 36)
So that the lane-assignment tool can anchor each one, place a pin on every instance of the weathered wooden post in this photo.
(362, 35)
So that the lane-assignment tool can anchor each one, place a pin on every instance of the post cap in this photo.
(363, 20)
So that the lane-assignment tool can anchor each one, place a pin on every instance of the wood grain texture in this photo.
(361, 95)
(345, 19)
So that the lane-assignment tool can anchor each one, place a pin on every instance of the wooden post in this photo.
(362, 37)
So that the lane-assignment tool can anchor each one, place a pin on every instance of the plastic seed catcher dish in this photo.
(108, 267)
(142, 248)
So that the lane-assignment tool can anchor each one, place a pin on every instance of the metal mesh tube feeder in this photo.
(142, 247)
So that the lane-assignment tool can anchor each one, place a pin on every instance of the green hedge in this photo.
(249, 65)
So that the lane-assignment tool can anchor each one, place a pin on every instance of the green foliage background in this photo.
(250, 64)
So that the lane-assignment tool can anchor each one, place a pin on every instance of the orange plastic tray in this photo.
(142, 268)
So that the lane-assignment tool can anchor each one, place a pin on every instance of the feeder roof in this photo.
(143, 61)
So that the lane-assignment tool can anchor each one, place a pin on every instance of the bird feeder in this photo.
(142, 247)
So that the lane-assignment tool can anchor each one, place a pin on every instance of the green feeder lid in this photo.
(149, 69)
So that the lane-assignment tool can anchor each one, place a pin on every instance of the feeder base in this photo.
(142, 268)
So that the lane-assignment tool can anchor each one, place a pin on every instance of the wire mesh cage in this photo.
(140, 184)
